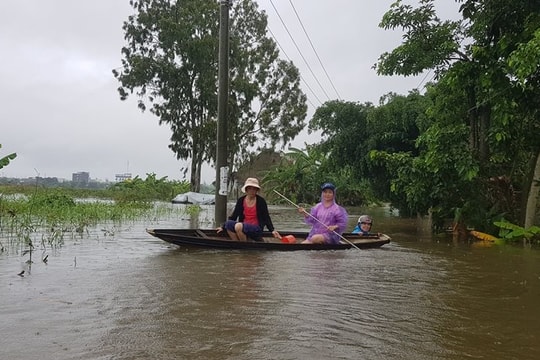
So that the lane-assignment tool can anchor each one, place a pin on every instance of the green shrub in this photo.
(51, 199)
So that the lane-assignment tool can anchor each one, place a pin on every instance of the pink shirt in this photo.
(250, 214)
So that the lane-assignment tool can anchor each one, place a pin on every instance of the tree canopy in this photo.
(467, 148)
(170, 63)
(485, 81)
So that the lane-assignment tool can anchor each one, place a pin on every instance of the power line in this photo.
(424, 79)
(315, 51)
(301, 78)
(299, 51)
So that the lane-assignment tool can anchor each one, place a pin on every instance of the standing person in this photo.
(250, 215)
(364, 225)
(328, 220)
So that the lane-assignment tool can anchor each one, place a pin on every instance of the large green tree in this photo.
(524, 64)
(478, 104)
(301, 173)
(345, 135)
(170, 63)
(344, 132)
(392, 127)
(297, 176)
(351, 131)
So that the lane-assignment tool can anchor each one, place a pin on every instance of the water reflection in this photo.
(194, 304)
(236, 305)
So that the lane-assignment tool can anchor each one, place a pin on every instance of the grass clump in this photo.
(47, 215)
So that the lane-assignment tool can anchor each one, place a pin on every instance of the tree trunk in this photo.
(198, 175)
(484, 120)
(195, 177)
(532, 196)
(473, 132)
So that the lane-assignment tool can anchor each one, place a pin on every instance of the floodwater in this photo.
(121, 294)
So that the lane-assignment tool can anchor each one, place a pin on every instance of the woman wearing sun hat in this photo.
(250, 215)
(328, 220)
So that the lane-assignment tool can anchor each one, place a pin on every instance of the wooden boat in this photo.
(208, 238)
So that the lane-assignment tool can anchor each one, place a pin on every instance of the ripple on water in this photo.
(130, 296)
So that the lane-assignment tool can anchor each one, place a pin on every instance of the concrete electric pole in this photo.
(222, 169)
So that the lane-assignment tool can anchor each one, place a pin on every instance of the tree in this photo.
(170, 62)
(524, 63)
(296, 176)
(476, 92)
(343, 125)
(351, 131)
(393, 127)
(301, 173)
(345, 137)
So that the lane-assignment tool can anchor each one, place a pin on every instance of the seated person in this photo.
(250, 215)
(364, 225)
(327, 219)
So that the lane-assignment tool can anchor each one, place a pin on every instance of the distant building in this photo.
(80, 178)
(122, 177)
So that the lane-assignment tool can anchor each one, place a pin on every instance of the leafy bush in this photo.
(150, 189)
(512, 232)
(52, 199)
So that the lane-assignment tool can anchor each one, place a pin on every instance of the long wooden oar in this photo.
(305, 212)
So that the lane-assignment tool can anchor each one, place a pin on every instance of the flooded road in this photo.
(123, 294)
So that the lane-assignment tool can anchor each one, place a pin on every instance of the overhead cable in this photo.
(424, 79)
(315, 51)
(299, 51)
(288, 58)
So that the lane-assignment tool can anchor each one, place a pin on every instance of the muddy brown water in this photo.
(122, 294)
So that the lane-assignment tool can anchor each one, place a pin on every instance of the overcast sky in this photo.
(61, 113)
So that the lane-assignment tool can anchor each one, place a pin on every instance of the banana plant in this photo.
(4, 161)
(512, 232)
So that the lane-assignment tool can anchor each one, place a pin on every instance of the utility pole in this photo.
(222, 169)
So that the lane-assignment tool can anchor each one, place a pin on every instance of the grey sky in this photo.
(61, 112)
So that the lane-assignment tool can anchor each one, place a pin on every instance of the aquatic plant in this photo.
(147, 190)
(48, 218)
(512, 233)
(45, 217)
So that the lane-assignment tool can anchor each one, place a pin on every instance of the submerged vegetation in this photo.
(133, 190)
(31, 215)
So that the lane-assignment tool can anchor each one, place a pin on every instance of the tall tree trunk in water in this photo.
(195, 178)
(533, 193)
(198, 174)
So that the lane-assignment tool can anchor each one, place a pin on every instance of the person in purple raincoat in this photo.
(328, 220)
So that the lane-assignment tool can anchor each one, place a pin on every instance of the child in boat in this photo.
(364, 225)
(328, 219)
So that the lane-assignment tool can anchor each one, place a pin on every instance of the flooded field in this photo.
(119, 293)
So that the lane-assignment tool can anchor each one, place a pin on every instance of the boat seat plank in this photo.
(202, 234)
